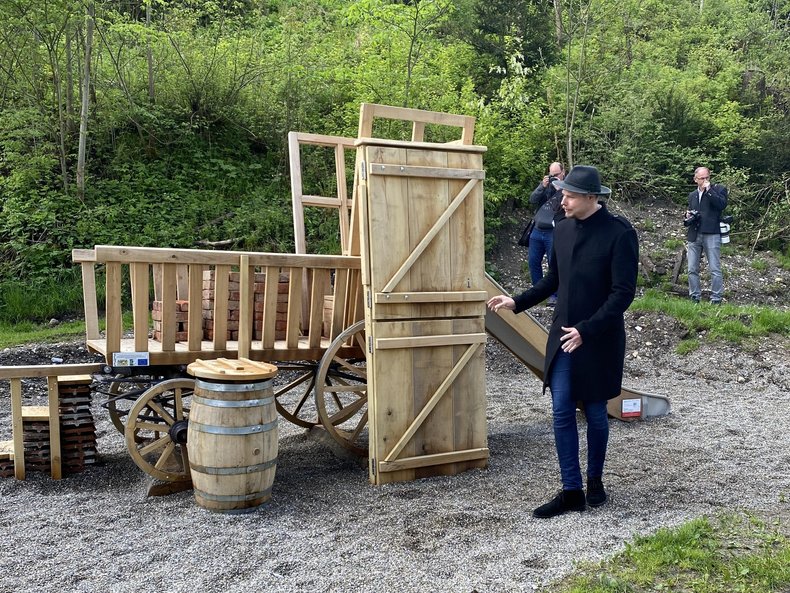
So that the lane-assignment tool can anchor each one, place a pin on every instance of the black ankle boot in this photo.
(596, 495)
(566, 500)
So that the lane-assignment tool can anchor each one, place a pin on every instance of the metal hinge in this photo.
(363, 173)
(373, 466)
(370, 300)
(370, 344)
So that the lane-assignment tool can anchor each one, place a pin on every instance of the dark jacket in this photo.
(593, 270)
(714, 200)
(546, 201)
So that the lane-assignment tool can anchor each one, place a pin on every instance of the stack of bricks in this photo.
(233, 305)
(182, 314)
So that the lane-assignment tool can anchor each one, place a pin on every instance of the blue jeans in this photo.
(539, 245)
(711, 244)
(566, 432)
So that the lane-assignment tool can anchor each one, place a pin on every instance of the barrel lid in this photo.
(229, 370)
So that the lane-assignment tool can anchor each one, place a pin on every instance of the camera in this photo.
(692, 219)
(552, 179)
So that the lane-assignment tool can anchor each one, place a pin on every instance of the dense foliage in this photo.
(176, 131)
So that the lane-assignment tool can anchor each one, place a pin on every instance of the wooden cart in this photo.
(405, 296)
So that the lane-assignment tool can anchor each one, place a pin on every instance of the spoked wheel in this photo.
(121, 395)
(295, 401)
(156, 430)
(341, 392)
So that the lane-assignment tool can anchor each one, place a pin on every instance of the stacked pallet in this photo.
(234, 287)
(77, 430)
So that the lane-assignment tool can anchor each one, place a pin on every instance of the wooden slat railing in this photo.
(302, 324)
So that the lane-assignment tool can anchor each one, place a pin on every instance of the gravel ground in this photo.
(723, 447)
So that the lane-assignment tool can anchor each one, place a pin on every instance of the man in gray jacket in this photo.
(703, 216)
(546, 200)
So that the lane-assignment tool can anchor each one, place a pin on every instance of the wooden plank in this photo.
(431, 297)
(342, 194)
(138, 273)
(76, 379)
(169, 293)
(113, 318)
(319, 290)
(17, 429)
(25, 372)
(195, 313)
(322, 139)
(292, 330)
(429, 341)
(110, 253)
(468, 395)
(390, 415)
(429, 236)
(418, 131)
(340, 300)
(449, 147)
(221, 280)
(89, 300)
(156, 272)
(35, 413)
(433, 400)
(428, 172)
(54, 428)
(246, 281)
(182, 281)
(320, 202)
(435, 459)
(79, 256)
(297, 205)
(467, 253)
(270, 307)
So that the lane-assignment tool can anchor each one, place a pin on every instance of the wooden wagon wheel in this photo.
(293, 400)
(122, 394)
(156, 430)
(341, 392)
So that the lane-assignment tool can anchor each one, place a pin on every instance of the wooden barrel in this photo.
(232, 436)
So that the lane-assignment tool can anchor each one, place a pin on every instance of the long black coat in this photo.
(593, 269)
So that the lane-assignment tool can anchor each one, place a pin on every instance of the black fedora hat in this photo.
(583, 179)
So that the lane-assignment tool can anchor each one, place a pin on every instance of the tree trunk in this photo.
(558, 21)
(86, 83)
(69, 84)
(149, 56)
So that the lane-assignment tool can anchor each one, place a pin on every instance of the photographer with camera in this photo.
(546, 200)
(702, 219)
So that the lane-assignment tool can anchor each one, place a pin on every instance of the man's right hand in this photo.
(546, 181)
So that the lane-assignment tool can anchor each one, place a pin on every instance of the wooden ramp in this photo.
(526, 338)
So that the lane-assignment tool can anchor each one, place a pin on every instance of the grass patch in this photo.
(27, 332)
(673, 244)
(40, 301)
(733, 323)
(686, 346)
(784, 260)
(759, 264)
(730, 553)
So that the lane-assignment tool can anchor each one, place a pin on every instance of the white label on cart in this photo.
(130, 359)
(631, 408)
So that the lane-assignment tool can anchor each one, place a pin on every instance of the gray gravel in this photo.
(724, 447)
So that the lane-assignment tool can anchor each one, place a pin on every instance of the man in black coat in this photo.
(593, 269)
(702, 219)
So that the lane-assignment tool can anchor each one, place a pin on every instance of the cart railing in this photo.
(196, 313)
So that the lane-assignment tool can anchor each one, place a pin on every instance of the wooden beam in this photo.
(429, 341)
(430, 172)
(89, 300)
(25, 372)
(54, 429)
(17, 428)
(434, 459)
(430, 297)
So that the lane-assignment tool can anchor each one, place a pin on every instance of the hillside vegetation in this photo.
(164, 123)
